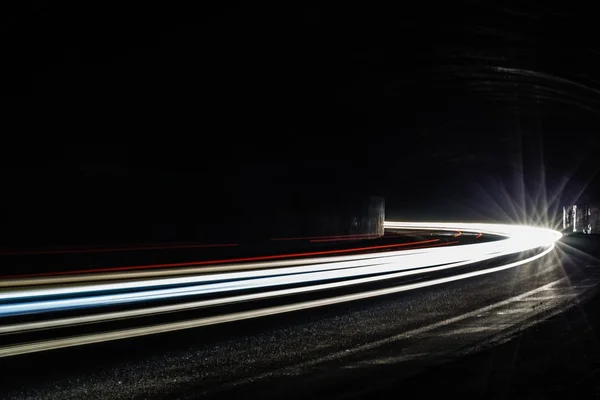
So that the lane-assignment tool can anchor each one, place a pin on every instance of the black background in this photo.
(465, 110)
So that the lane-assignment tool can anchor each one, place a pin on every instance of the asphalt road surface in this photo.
(343, 349)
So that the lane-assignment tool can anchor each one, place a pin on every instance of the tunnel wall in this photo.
(82, 213)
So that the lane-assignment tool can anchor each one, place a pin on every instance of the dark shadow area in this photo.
(130, 212)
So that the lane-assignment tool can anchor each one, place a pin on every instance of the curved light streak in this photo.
(219, 319)
(314, 274)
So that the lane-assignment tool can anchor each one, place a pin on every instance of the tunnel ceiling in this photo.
(458, 83)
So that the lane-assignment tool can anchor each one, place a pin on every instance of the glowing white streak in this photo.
(516, 234)
(409, 259)
(218, 302)
(149, 330)
(391, 264)
(518, 239)
(495, 229)
(194, 270)
(56, 305)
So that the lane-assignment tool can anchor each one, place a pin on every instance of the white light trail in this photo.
(519, 239)
(313, 274)
(195, 323)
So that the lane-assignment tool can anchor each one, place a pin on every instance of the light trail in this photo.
(162, 328)
(225, 261)
(47, 296)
